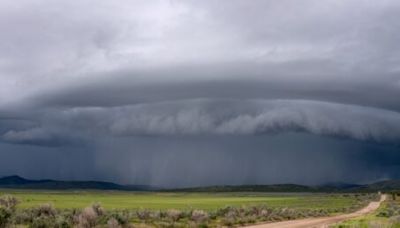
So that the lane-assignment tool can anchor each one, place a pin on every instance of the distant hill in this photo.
(250, 188)
(18, 182)
(389, 185)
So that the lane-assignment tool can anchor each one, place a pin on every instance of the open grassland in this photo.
(387, 216)
(182, 201)
(28, 208)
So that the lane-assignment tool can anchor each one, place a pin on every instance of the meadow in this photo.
(182, 201)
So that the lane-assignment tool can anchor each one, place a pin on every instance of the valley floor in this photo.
(34, 208)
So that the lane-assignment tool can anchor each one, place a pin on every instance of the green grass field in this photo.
(205, 201)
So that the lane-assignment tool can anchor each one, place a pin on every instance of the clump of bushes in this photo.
(174, 214)
(46, 215)
(199, 216)
(7, 209)
(5, 216)
(113, 223)
(45, 210)
(143, 214)
(122, 218)
(9, 202)
(89, 216)
(392, 209)
(43, 216)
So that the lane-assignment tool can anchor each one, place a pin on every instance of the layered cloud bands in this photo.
(218, 117)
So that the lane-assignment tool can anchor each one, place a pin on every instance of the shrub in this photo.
(23, 217)
(156, 215)
(113, 223)
(65, 217)
(43, 222)
(88, 217)
(264, 213)
(199, 216)
(223, 211)
(121, 217)
(46, 210)
(98, 209)
(63, 222)
(174, 214)
(42, 216)
(255, 210)
(5, 215)
(228, 221)
(9, 202)
(143, 214)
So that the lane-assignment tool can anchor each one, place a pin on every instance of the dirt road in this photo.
(323, 221)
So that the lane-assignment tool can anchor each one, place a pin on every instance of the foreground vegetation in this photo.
(387, 216)
(122, 209)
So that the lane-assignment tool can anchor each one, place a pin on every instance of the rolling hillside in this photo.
(18, 182)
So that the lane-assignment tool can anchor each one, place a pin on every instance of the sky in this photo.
(192, 93)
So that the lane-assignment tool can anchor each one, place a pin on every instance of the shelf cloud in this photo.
(215, 117)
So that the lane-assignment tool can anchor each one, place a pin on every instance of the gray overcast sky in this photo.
(229, 91)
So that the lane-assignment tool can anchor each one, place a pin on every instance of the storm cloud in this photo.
(137, 91)
(216, 117)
